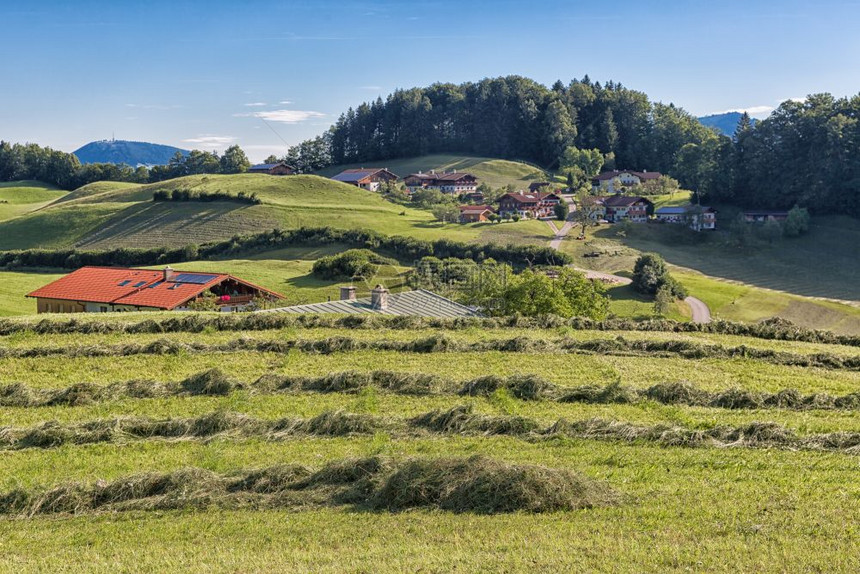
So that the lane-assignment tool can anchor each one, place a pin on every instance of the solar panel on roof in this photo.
(193, 278)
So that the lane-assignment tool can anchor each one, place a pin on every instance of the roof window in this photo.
(124, 283)
(139, 284)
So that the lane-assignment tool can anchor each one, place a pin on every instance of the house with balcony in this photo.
(697, 217)
(626, 208)
(532, 205)
(455, 182)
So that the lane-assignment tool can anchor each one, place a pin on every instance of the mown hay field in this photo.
(431, 448)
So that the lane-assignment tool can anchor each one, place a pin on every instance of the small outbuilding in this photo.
(280, 168)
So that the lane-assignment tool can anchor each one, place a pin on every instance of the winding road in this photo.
(701, 313)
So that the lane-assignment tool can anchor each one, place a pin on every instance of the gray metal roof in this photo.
(421, 303)
(671, 210)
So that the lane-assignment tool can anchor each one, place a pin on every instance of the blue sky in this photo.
(208, 74)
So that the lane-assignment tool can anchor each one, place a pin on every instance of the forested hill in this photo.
(805, 153)
(725, 123)
(127, 152)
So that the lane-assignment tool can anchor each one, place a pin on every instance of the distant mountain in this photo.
(127, 152)
(725, 123)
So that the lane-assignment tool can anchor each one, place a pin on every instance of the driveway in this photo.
(701, 313)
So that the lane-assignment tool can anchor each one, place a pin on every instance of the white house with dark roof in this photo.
(366, 178)
(616, 180)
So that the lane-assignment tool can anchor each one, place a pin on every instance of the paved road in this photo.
(559, 233)
(701, 313)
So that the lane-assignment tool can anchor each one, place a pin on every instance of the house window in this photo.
(48, 307)
(103, 309)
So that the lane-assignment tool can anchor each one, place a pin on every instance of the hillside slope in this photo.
(21, 197)
(496, 172)
(107, 215)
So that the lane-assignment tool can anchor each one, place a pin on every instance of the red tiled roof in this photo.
(136, 287)
(474, 209)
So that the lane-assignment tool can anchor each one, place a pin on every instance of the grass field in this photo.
(495, 172)
(108, 215)
(21, 197)
(792, 279)
(739, 507)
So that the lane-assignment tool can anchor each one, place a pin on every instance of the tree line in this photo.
(31, 161)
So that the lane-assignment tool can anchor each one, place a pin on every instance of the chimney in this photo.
(169, 274)
(347, 293)
(379, 298)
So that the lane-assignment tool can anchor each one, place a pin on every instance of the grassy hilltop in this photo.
(109, 214)
(766, 485)
(495, 172)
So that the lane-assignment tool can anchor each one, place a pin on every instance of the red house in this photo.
(103, 289)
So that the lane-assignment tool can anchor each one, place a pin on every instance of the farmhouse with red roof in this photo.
(103, 289)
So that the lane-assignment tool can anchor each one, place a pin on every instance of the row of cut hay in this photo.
(213, 382)
(440, 343)
(457, 420)
(477, 484)
(772, 329)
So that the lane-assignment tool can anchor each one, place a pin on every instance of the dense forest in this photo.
(806, 153)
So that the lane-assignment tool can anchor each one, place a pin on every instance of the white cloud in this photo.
(798, 100)
(256, 104)
(285, 102)
(208, 141)
(283, 116)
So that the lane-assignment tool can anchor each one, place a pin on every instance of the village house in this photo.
(698, 218)
(454, 182)
(103, 289)
(623, 207)
(475, 213)
(616, 180)
(765, 216)
(366, 178)
(279, 168)
(419, 303)
(528, 205)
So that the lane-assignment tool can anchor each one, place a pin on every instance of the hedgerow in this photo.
(403, 248)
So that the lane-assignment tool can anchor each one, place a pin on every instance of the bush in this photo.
(797, 222)
(350, 264)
